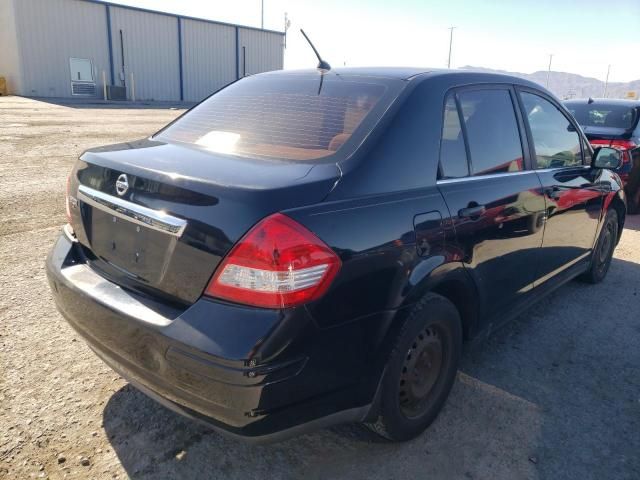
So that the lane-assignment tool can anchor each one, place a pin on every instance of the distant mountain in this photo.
(569, 85)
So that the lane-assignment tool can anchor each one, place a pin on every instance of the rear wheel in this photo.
(602, 254)
(421, 370)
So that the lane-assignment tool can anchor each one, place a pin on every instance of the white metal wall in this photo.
(208, 58)
(40, 36)
(9, 62)
(150, 53)
(49, 32)
(263, 51)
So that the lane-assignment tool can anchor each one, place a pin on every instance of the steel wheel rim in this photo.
(420, 371)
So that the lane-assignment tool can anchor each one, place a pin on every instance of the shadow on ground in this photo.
(554, 394)
(120, 105)
(632, 222)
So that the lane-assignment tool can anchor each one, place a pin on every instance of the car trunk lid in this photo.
(607, 133)
(158, 217)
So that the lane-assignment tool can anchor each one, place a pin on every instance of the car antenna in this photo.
(322, 64)
(590, 101)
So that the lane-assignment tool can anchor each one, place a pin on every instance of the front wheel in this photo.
(421, 370)
(633, 202)
(603, 252)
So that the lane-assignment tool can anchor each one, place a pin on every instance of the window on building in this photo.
(81, 70)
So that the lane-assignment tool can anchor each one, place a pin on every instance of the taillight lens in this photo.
(624, 145)
(277, 264)
(66, 199)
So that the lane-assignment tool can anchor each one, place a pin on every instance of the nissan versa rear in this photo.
(308, 248)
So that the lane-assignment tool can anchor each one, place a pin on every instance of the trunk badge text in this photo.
(122, 184)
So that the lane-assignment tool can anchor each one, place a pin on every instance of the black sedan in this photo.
(312, 247)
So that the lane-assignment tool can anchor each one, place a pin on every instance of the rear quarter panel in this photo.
(376, 241)
(382, 274)
(369, 216)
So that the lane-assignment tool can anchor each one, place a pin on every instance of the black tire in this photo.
(633, 202)
(602, 254)
(420, 371)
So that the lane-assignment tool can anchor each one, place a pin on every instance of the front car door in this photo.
(573, 198)
(495, 200)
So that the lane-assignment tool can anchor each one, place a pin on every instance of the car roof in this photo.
(603, 101)
(401, 73)
(409, 73)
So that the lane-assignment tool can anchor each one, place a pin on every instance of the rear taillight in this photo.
(277, 264)
(623, 145)
(67, 200)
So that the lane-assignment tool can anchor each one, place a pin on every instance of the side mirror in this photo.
(606, 157)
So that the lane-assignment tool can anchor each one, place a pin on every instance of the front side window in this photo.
(555, 139)
(289, 117)
(492, 131)
(453, 155)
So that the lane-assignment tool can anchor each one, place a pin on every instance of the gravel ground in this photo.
(554, 395)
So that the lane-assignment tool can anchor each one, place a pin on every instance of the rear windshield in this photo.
(291, 117)
(613, 116)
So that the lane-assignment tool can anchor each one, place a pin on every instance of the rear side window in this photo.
(492, 131)
(556, 141)
(289, 117)
(453, 155)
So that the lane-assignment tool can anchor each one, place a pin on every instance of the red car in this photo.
(614, 123)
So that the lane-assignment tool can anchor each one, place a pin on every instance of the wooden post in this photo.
(104, 84)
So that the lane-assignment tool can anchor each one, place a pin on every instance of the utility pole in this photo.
(606, 82)
(450, 43)
(262, 15)
(549, 69)
(287, 24)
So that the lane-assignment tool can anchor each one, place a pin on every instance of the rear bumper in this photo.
(254, 373)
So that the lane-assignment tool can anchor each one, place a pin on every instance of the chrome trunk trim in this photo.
(147, 217)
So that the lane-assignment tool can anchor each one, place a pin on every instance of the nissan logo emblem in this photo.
(122, 184)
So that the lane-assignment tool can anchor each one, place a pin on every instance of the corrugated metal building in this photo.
(64, 48)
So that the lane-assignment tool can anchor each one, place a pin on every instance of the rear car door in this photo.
(495, 201)
(573, 199)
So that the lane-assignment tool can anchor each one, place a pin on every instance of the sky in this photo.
(584, 36)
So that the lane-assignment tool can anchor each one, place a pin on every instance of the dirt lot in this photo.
(555, 395)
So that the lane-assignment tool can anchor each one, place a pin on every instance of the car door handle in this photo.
(472, 212)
